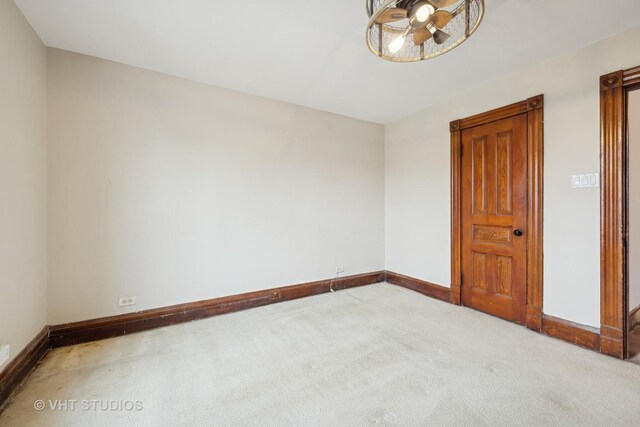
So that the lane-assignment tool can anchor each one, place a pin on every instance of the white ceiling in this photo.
(313, 52)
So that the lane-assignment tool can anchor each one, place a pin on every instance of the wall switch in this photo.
(339, 270)
(591, 180)
(575, 181)
(5, 352)
(124, 302)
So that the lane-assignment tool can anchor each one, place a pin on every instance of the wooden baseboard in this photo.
(575, 333)
(19, 368)
(108, 327)
(113, 326)
(425, 288)
(534, 318)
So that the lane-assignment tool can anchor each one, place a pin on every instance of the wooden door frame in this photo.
(614, 90)
(534, 109)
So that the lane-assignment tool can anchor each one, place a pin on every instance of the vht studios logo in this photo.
(70, 405)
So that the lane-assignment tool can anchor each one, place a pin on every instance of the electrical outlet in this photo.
(5, 352)
(339, 270)
(124, 302)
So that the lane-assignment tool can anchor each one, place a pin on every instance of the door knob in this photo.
(517, 233)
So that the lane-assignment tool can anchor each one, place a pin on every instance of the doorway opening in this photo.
(620, 214)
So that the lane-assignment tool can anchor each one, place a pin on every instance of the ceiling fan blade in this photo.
(441, 18)
(439, 37)
(421, 35)
(392, 15)
(442, 3)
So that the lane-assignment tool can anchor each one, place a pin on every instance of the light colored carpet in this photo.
(376, 355)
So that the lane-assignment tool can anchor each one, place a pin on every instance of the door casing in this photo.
(534, 109)
(614, 286)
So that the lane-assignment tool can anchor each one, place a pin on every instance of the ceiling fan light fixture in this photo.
(434, 30)
(397, 44)
(424, 12)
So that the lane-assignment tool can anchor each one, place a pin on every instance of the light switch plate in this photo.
(575, 181)
(591, 180)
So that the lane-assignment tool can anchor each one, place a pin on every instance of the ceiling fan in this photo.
(394, 21)
(425, 21)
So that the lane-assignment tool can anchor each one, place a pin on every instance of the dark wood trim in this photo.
(426, 288)
(456, 212)
(21, 366)
(491, 116)
(108, 327)
(631, 77)
(113, 326)
(613, 210)
(574, 333)
(534, 108)
(535, 190)
(571, 332)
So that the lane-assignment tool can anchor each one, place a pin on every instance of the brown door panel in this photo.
(494, 206)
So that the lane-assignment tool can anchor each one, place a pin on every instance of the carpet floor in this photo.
(376, 355)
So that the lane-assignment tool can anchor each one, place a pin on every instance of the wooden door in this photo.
(494, 218)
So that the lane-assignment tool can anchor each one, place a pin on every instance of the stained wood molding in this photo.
(19, 368)
(534, 109)
(574, 333)
(113, 326)
(631, 77)
(491, 116)
(426, 288)
(535, 191)
(456, 213)
(571, 332)
(614, 88)
(108, 327)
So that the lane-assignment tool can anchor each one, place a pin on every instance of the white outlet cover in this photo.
(126, 301)
(5, 352)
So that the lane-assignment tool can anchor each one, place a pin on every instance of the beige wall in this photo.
(634, 199)
(417, 174)
(174, 191)
(22, 180)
